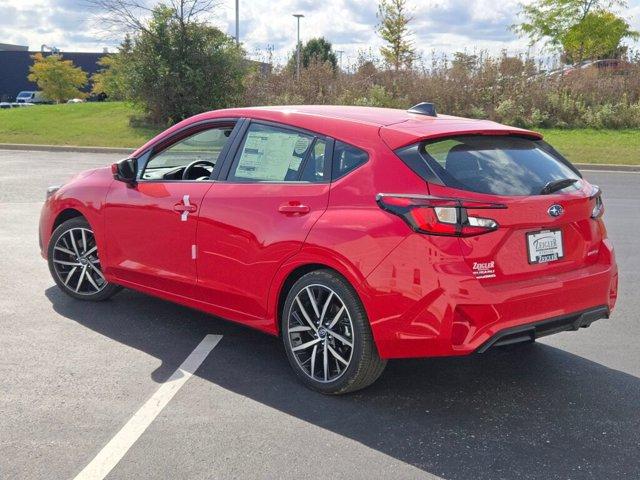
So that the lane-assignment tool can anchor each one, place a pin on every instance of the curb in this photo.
(609, 168)
(64, 148)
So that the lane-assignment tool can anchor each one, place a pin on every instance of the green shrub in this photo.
(378, 96)
(509, 111)
(477, 112)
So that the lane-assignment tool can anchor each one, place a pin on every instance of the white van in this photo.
(31, 97)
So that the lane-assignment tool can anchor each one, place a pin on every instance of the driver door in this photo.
(151, 227)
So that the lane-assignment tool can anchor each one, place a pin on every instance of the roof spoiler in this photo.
(424, 108)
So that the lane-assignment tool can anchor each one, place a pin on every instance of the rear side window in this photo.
(347, 158)
(273, 154)
(498, 165)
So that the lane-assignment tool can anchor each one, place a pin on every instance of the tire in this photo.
(344, 336)
(74, 262)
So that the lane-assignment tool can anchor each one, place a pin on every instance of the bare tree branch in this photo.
(130, 16)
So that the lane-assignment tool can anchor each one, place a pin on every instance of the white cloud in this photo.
(442, 26)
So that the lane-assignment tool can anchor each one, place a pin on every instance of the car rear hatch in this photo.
(520, 210)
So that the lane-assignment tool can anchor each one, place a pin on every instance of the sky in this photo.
(441, 26)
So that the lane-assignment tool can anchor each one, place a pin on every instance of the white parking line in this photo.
(118, 446)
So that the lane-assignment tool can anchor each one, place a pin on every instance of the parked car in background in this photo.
(355, 234)
(612, 66)
(608, 66)
(31, 97)
(76, 100)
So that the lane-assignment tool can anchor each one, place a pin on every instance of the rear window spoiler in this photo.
(397, 137)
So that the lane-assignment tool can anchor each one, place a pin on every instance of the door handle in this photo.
(293, 207)
(185, 208)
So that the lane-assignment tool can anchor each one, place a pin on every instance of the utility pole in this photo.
(340, 52)
(238, 22)
(298, 16)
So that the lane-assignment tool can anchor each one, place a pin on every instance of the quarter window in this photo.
(347, 158)
(274, 154)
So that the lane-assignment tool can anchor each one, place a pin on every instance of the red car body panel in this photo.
(242, 244)
(422, 293)
(85, 193)
(136, 218)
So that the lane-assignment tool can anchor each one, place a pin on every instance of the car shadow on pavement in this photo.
(532, 411)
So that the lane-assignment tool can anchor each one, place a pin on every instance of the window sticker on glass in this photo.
(268, 155)
(301, 145)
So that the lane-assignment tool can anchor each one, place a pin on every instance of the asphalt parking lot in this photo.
(72, 374)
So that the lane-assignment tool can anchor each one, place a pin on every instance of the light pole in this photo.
(238, 22)
(298, 16)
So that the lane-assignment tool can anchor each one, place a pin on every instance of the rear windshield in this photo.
(498, 165)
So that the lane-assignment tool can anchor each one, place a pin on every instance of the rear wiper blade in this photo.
(556, 185)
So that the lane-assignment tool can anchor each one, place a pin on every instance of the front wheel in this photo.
(74, 262)
(326, 335)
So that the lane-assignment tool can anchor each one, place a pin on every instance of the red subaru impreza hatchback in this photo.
(356, 234)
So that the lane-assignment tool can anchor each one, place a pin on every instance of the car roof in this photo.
(358, 125)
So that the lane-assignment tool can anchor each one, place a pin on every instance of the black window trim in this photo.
(234, 157)
(334, 168)
(145, 157)
(554, 153)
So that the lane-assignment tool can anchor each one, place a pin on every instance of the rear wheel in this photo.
(326, 335)
(74, 262)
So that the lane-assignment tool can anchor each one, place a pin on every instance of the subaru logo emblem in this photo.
(555, 210)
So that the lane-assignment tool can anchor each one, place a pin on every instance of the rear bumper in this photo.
(529, 332)
(419, 306)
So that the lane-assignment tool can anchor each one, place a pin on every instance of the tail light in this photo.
(598, 208)
(438, 215)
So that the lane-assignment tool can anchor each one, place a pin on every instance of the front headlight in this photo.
(51, 190)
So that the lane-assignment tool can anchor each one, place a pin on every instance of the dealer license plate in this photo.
(544, 246)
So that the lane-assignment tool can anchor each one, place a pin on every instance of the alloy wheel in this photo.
(320, 333)
(75, 260)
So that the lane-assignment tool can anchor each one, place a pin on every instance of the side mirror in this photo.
(125, 171)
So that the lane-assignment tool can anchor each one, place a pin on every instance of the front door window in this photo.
(192, 158)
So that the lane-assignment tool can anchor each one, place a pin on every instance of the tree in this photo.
(579, 25)
(58, 79)
(316, 50)
(177, 65)
(112, 78)
(394, 30)
(598, 35)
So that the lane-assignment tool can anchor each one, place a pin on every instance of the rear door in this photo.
(259, 214)
(541, 231)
